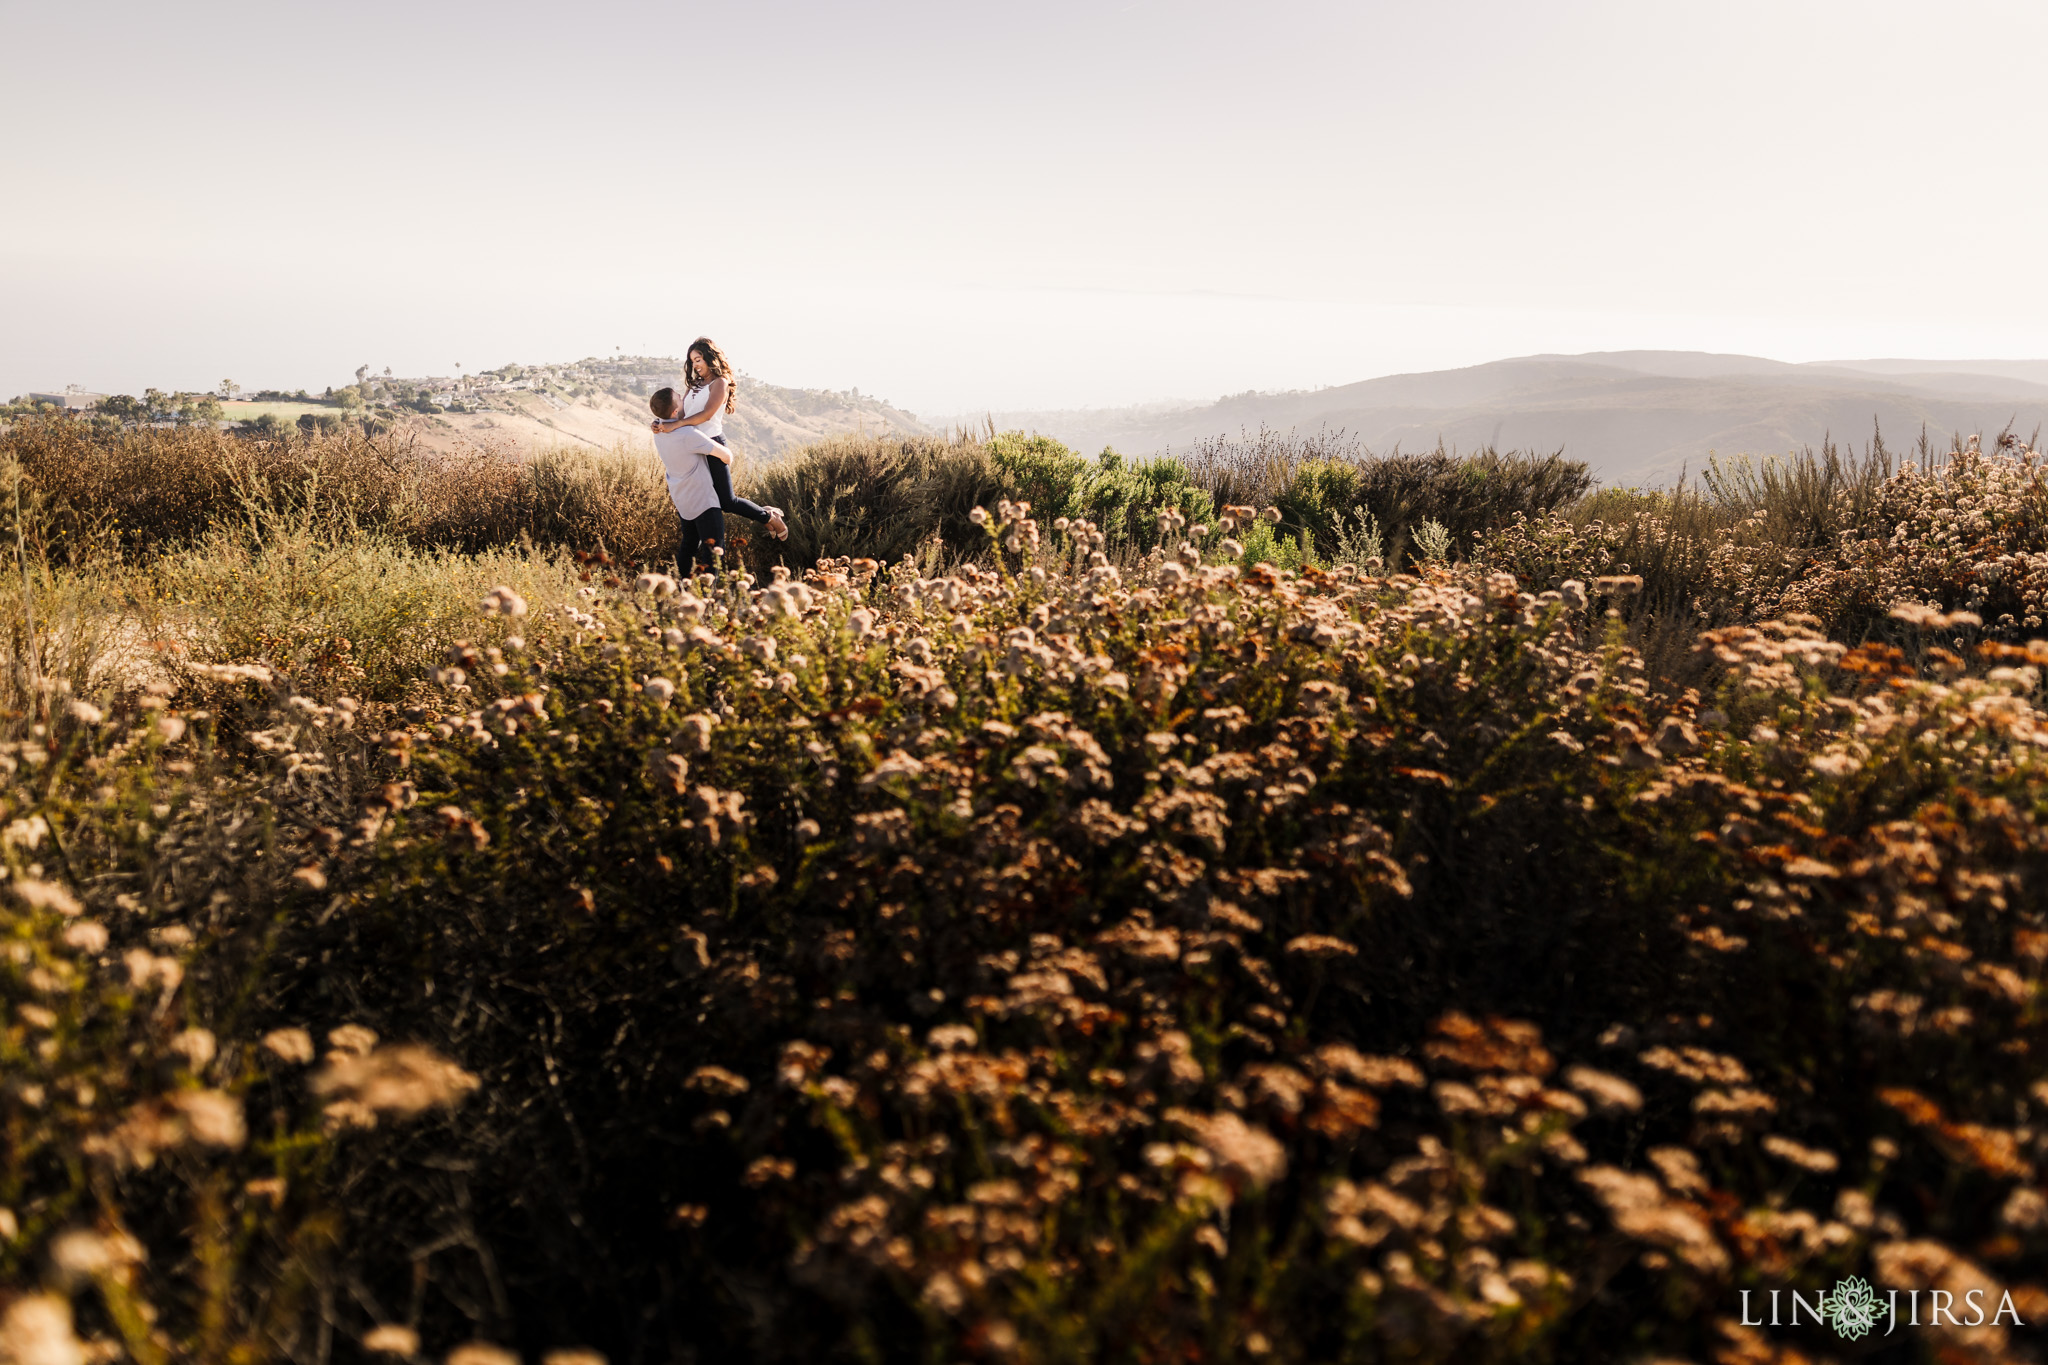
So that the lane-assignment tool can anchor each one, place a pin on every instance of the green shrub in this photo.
(884, 498)
(1125, 497)
(1315, 479)
(1466, 495)
(1319, 492)
(1041, 471)
(1801, 498)
(876, 497)
(1122, 497)
(1359, 543)
(1264, 544)
(1432, 541)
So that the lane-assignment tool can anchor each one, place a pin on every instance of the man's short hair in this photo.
(662, 401)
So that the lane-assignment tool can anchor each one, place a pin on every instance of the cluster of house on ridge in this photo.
(638, 376)
(380, 402)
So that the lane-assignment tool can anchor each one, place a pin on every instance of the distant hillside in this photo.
(2030, 371)
(1637, 417)
(603, 402)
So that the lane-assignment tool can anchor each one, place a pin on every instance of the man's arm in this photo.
(714, 399)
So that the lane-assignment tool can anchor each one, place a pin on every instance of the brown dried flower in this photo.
(402, 1080)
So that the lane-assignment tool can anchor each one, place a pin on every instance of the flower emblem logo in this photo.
(1852, 1309)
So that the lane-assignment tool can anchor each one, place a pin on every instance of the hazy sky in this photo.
(960, 205)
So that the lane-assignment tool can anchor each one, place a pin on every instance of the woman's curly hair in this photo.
(716, 363)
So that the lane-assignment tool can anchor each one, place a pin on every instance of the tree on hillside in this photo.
(124, 409)
(195, 408)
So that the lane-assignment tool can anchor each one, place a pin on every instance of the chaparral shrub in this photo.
(1123, 497)
(1317, 480)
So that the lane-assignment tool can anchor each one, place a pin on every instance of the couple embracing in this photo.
(689, 435)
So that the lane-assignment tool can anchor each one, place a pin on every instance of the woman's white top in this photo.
(693, 403)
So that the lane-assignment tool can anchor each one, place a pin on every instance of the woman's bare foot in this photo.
(777, 527)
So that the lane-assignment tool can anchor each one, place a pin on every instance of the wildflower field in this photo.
(1292, 908)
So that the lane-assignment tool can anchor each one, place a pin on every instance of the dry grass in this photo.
(147, 491)
(1256, 469)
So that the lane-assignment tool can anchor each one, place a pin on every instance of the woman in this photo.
(711, 393)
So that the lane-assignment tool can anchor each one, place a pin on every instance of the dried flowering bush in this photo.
(161, 1182)
(1055, 958)
(1971, 536)
(1044, 958)
(1839, 541)
(1876, 822)
(127, 1152)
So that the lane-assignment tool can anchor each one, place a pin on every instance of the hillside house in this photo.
(73, 399)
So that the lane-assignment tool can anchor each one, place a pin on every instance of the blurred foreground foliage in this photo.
(1082, 941)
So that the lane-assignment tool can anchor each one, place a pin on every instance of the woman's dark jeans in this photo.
(721, 482)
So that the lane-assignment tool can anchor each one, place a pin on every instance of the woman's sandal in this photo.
(776, 512)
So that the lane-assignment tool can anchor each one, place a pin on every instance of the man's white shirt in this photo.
(689, 477)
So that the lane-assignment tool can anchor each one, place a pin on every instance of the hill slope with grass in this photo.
(1130, 911)
(770, 421)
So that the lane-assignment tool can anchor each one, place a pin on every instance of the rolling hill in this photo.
(1637, 417)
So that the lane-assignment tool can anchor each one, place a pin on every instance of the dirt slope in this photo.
(770, 421)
